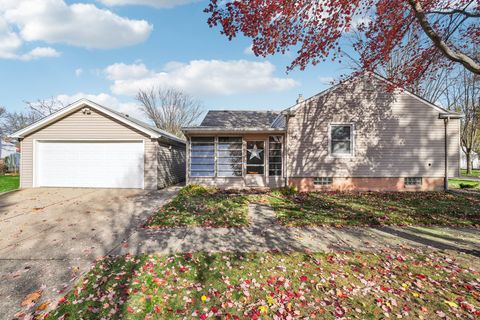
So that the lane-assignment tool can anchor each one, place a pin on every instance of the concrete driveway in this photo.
(48, 237)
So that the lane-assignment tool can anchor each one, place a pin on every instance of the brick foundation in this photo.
(367, 184)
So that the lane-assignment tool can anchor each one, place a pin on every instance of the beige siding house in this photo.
(88, 145)
(358, 135)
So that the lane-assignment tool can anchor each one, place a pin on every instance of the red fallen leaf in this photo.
(43, 306)
(31, 298)
(303, 278)
(157, 309)
(339, 312)
(203, 316)
(182, 268)
(62, 300)
(130, 310)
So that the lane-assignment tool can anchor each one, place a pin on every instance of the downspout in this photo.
(285, 149)
(445, 121)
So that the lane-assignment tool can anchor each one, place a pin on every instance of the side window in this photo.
(275, 155)
(341, 139)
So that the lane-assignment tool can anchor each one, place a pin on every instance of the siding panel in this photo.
(171, 165)
(396, 135)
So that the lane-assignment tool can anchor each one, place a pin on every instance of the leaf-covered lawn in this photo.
(200, 206)
(475, 173)
(400, 284)
(376, 208)
(8, 183)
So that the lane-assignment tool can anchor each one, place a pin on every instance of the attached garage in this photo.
(90, 146)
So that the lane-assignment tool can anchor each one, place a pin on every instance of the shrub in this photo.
(468, 185)
(195, 190)
(286, 191)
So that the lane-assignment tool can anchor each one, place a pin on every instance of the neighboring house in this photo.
(473, 158)
(7, 148)
(88, 145)
(357, 135)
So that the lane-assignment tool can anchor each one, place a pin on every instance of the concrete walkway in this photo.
(265, 234)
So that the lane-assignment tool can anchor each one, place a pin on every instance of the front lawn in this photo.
(406, 284)
(376, 208)
(463, 184)
(205, 207)
(475, 173)
(8, 183)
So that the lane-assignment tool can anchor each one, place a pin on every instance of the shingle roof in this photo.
(239, 119)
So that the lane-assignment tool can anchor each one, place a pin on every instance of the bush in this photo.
(195, 190)
(468, 185)
(286, 191)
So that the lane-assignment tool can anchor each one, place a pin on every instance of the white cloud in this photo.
(104, 99)
(248, 50)
(119, 71)
(78, 72)
(151, 3)
(54, 21)
(199, 77)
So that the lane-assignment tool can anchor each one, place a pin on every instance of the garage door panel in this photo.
(89, 164)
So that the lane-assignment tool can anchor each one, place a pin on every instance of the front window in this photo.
(341, 140)
(202, 157)
(229, 157)
(255, 157)
(323, 181)
(275, 156)
(413, 181)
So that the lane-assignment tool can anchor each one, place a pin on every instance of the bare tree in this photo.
(44, 107)
(464, 96)
(169, 109)
(14, 121)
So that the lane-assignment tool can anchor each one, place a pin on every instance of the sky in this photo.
(106, 50)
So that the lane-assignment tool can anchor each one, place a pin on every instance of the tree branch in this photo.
(456, 11)
(451, 54)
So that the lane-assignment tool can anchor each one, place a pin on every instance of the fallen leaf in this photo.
(31, 298)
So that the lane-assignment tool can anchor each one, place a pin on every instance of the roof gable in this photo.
(152, 132)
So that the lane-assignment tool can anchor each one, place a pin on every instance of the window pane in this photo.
(255, 152)
(202, 167)
(207, 154)
(201, 174)
(275, 156)
(203, 139)
(230, 140)
(229, 160)
(341, 133)
(230, 167)
(255, 170)
(341, 147)
(226, 153)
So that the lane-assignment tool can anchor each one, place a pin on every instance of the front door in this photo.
(255, 164)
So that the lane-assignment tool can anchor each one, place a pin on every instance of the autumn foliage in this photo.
(433, 33)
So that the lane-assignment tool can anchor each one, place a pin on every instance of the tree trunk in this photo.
(469, 162)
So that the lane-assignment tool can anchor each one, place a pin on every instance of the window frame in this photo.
(263, 165)
(322, 181)
(352, 139)
(414, 185)
(281, 156)
(192, 143)
(217, 156)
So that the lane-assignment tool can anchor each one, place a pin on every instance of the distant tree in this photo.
(464, 97)
(438, 30)
(169, 109)
(14, 121)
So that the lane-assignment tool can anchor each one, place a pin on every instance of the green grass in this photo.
(8, 183)
(393, 284)
(200, 206)
(475, 173)
(463, 184)
(376, 208)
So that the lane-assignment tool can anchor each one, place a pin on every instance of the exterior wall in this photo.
(367, 184)
(79, 126)
(246, 181)
(171, 165)
(395, 136)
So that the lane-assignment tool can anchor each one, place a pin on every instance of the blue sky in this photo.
(105, 50)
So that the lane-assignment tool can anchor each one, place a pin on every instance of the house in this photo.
(473, 158)
(89, 145)
(7, 148)
(361, 134)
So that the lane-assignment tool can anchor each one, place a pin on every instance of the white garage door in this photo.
(95, 164)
